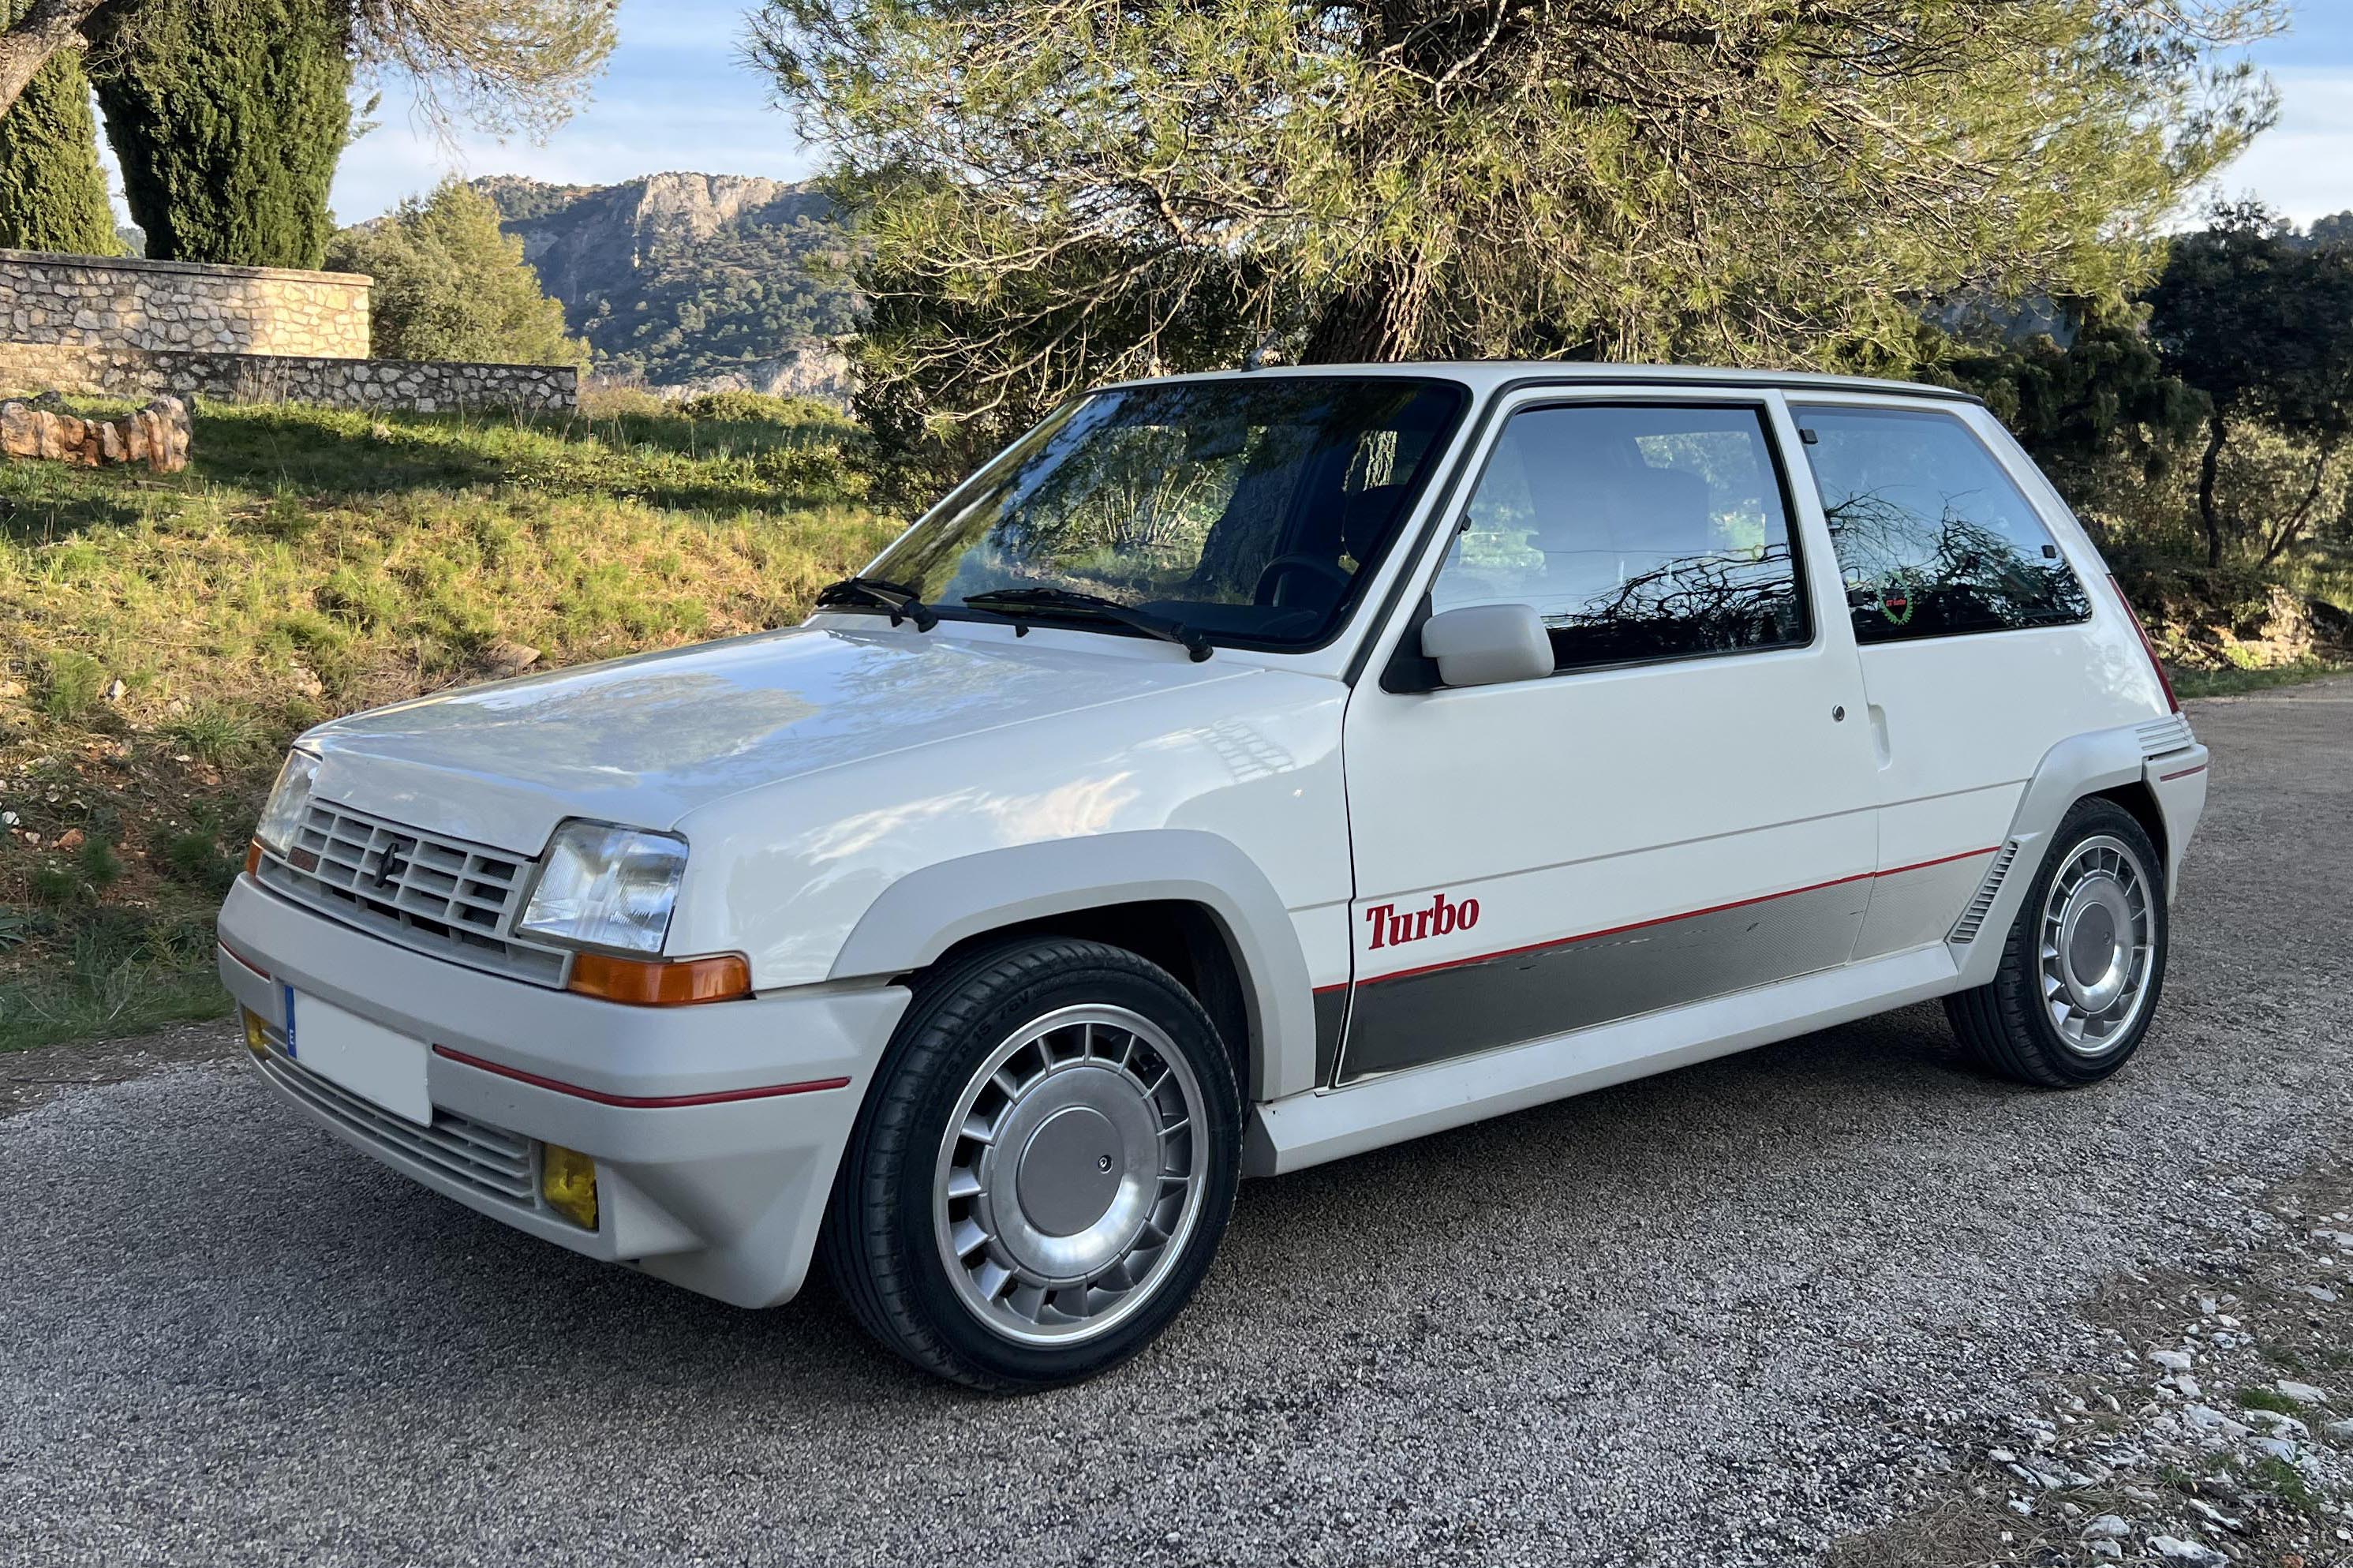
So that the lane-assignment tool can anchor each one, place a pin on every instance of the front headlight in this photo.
(605, 887)
(289, 801)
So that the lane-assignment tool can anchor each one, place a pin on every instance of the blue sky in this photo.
(678, 97)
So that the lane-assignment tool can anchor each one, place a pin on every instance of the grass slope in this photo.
(163, 638)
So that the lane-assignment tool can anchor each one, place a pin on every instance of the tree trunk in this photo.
(26, 46)
(2208, 469)
(2295, 519)
(1353, 328)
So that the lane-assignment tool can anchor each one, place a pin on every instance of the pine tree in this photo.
(450, 284)
(52, 192)
(1054, 195)
(228, 117)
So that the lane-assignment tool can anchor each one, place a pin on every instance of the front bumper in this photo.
(713, 1158)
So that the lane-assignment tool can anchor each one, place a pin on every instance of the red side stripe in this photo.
(643, 1102)
(2169, 778)
(1664, 919)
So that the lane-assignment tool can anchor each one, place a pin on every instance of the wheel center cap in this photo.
(1070, 1172)
(2092, 952)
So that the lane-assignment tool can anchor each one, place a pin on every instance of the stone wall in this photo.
(428, 386)
(167, 307)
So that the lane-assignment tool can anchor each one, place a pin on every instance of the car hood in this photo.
(643, 741)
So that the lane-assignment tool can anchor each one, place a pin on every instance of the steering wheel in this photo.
(1263, 592)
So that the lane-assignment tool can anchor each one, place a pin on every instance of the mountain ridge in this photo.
(689, 283)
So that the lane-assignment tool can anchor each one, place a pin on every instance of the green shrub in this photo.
(214, 731)
(98, 863)
(450, 284)
(759, 409)
(817, 470)
(195, 858)
(54, 886)
(73, 683)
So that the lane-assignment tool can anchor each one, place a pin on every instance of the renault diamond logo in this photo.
(392, 863)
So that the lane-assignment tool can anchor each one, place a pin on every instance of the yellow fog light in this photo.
(256, 1034)
(568, 1179)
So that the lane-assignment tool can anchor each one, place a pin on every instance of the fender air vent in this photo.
(1973, 918)
(2171, 734)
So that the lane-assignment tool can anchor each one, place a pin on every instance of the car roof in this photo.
(1485, 375)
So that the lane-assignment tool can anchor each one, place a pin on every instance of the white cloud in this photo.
(2303, 165)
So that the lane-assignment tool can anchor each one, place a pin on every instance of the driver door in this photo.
(1683, 809)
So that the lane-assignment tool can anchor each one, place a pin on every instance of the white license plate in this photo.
(379, 1064)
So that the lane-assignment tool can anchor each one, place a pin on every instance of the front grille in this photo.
(440, 896)
(1973, 918)
(2161, 735)
(488, 1159)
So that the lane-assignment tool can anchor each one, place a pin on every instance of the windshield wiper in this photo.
(1091, 607)
(902, 601)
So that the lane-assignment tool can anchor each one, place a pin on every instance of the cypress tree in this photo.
(228, 117)
(52, 192)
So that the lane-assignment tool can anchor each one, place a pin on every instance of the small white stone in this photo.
(2206, 1418)
(2213, 1515)
(2107, 1524)
(2188, 1552)
(2302, 1393)
(2171, 1360)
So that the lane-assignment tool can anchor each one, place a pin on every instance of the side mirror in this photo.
(1486, 644)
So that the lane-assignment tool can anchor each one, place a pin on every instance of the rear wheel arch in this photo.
(2140, 801)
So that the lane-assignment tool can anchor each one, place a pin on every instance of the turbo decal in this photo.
(1443, 917)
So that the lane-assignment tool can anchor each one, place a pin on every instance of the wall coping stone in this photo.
(197, 269)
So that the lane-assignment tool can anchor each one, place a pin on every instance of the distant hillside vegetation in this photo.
(701, 282)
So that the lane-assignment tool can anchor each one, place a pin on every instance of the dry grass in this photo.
(161, 638)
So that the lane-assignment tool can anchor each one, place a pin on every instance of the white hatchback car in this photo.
(1240, 772)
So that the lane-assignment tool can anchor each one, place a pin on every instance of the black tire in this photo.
(881, 1243)
(2006, 1023)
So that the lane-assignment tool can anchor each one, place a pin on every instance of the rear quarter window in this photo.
(1934, 540)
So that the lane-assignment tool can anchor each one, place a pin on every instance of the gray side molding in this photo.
(2079, 766)
(926, 912)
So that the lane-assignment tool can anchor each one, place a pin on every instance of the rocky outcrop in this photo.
(686, 282)
(156, 435)
(816, 370)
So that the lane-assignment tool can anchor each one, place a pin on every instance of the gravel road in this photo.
(1722, 1316)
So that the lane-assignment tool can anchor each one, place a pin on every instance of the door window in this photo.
(1637, 531)
(1933, 537)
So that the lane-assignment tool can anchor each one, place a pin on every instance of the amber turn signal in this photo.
(253, 858)
(652, 982)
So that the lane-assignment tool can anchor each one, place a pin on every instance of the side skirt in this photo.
(1301, 1130)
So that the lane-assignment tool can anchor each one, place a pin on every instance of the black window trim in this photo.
(1408, 672)
(1892, 403)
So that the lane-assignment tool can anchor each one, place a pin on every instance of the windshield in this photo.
(1248, 510)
